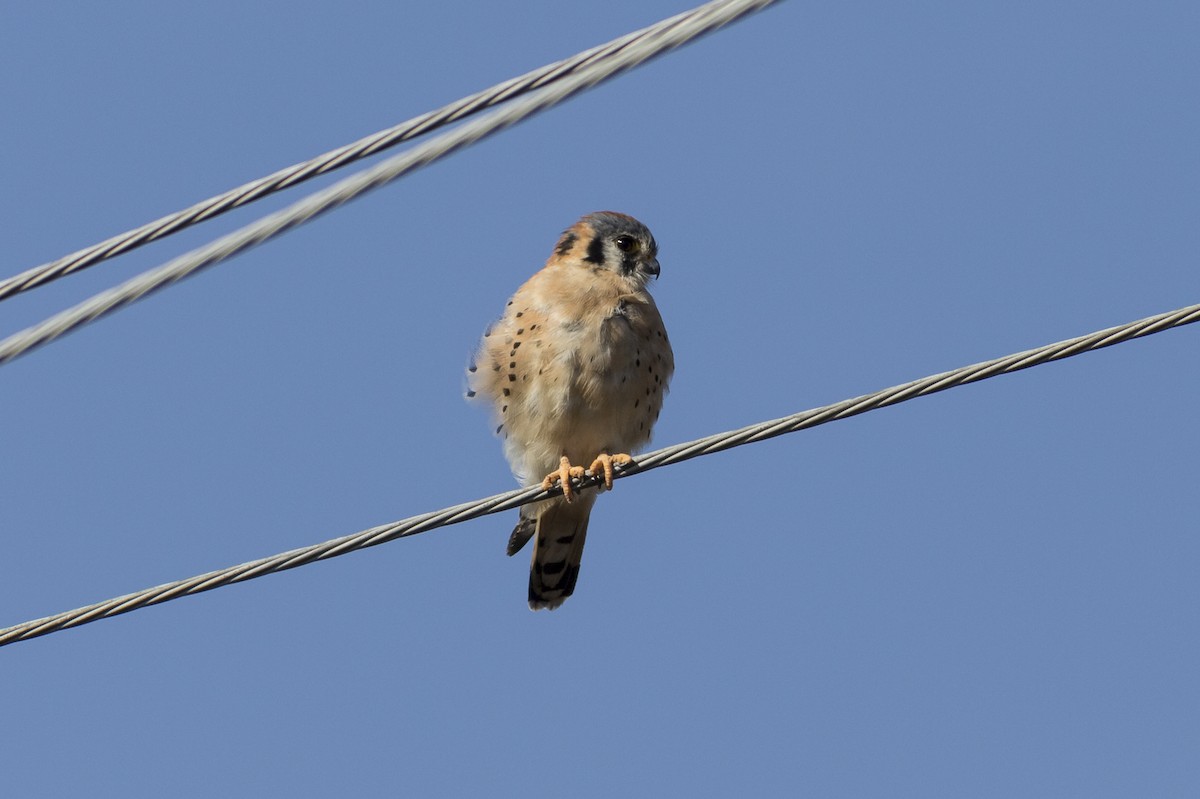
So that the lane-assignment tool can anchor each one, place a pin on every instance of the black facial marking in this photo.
(629, 263)
(595, 251)
(564, 245)
(470, 394)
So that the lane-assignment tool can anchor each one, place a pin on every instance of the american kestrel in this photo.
(575, 370)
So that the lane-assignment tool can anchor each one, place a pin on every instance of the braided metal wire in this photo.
(370, 145)
(702, 20)
(653, 460)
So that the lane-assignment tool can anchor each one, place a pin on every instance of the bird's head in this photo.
(607, 240)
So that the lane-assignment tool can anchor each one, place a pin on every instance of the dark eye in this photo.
(626, 243)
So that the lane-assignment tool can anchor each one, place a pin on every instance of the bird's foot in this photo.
(605, 463)
(563, 475)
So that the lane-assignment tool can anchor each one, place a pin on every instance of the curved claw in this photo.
(605, 463)
(563, 476)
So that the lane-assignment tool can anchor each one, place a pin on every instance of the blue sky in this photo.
(990, 592)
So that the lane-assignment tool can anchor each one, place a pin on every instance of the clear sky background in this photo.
(989, 592)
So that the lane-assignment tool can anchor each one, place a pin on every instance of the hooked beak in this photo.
(651, 267)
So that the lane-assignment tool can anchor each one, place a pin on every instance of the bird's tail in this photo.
(561, 529)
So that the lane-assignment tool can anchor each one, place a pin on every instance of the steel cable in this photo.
(653, 460)
(334, 159)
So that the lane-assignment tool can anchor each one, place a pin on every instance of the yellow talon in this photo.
(564, 474)
(605, 463)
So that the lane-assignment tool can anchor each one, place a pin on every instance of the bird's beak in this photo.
(651, 267)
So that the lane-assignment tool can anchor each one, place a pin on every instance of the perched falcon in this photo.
(576, 371)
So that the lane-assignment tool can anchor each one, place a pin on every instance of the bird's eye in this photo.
(626, 243)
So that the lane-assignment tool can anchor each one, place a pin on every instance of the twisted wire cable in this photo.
(653, 460)
(334, 159)
(703, 20)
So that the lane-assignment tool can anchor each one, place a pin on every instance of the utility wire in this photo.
(368, 146)
(652, 460)
(703, 20)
